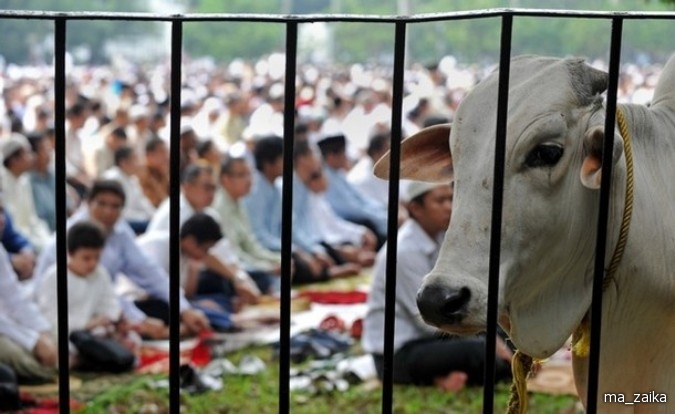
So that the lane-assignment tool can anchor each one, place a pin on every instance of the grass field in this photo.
(258, 394)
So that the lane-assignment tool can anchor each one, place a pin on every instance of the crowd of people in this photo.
(231, 163)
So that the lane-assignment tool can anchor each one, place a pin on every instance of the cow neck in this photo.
(521, 364)
(581, 338)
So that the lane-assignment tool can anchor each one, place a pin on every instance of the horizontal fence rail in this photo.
(353, 18)
(400, 24)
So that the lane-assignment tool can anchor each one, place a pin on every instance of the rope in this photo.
(628, 202)
(521, 364)
(581, 339)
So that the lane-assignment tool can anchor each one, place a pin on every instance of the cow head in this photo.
(552, 176)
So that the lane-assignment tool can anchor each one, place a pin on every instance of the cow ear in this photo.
(425, 156)
(591, 167)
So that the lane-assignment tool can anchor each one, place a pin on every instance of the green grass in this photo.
(258, 394)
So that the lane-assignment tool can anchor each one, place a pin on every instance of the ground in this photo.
(133, 393)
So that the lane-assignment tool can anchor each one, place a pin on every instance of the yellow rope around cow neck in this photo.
(521, 364)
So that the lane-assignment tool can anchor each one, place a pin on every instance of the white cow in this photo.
(550, 211)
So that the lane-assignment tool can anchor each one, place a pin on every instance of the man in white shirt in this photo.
(361, 175)
(138, 130)
(354, 242)
(17, 158)
(423, 357)
(198, 234)
(103, 157)
(138, 209)
(268, 118)
(76, 117)
(25, 341)
(347, 201)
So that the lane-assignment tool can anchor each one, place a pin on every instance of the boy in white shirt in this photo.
(92, 302)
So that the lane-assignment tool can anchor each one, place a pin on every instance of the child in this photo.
(92, 303)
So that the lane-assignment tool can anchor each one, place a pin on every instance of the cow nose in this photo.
(441, 305)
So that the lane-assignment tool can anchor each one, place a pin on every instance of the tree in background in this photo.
(475, 40)
(227, 40)
(31, 41)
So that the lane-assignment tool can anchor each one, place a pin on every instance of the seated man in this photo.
(235, 184)
(76, 171)
(263, 202)
(26, 344)
(154, 174)
(138, 210)
(347, 201)
(263, 205)
(423, 356)
(43, 180)
(351, 242)
(122, 255)
(224, 273)
(14, 175)
(208, 152)
(104, 156)
(198, 234)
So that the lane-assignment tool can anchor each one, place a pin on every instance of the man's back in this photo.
(263, 206)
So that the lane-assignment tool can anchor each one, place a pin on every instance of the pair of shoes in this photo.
(193, 382)
(319, 381)
(334, 341)
(315, 343)
(249, 365)
(220, 367)
(9, 389)
(9, 397)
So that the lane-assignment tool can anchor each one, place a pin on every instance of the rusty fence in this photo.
(291, 22)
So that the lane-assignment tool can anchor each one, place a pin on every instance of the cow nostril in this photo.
(441, 305)
(455, 302)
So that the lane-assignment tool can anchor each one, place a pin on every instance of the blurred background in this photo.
(114, 42)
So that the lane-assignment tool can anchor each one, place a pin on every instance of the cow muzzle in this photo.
(443, 306)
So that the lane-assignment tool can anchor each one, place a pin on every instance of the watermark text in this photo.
(637, 398)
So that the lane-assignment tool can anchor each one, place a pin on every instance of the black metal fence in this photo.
(291, 23)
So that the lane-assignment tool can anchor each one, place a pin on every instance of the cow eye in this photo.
(545, 155)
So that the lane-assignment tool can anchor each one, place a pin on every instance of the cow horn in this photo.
(587, 81)
(598, 80)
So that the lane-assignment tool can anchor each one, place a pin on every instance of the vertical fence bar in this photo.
(392, 223)
(287, 218)
(60, 173)
(601, 242)
(174, 218)
(497, 204)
